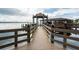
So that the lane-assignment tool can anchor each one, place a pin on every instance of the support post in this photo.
(43, 19)
(16, 39)
(47, 18)
(64, 42)
(28, 33)
(52, 35)
(75, 28)
(33, 20)
(37, 21)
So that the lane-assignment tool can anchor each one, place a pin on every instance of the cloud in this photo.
(11, 11)
(19, 14)
(25, 14)
(66, 12)
(50, 10)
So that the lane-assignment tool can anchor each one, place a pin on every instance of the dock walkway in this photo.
(40, 41)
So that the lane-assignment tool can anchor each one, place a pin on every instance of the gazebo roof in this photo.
(40, 15)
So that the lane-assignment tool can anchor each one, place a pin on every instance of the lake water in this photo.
(18, 25)
(10, 26)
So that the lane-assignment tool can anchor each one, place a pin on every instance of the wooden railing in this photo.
(29, 29)
(53, 33)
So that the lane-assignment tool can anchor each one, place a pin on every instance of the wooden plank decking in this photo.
(40, 41)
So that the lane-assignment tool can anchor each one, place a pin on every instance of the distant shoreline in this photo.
(13, 22)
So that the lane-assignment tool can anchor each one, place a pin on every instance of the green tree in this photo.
(77, 21)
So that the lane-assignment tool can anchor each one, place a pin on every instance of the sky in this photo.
(25, 14)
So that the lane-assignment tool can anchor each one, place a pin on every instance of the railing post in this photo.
(64, 42)
(16, 39)
(28, 33)
(52, 35)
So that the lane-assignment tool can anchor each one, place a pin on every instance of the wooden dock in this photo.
(40, 41)
(38, 38)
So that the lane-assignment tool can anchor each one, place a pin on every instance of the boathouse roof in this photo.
(59, 19)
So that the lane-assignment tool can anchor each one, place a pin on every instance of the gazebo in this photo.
(39, 15)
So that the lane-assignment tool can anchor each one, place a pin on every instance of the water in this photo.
(10, 26)
(72, 42)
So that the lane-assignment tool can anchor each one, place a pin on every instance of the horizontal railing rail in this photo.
(28, 30)
(53, 33)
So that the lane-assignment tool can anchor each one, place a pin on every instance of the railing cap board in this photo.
(66, 30)
(63, 30)
(11, 30)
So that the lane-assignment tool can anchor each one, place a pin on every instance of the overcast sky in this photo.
(25, 14)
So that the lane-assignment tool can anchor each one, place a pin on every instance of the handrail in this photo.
(29, 29)
(65, 44)
(11, 30)
(63, 30)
